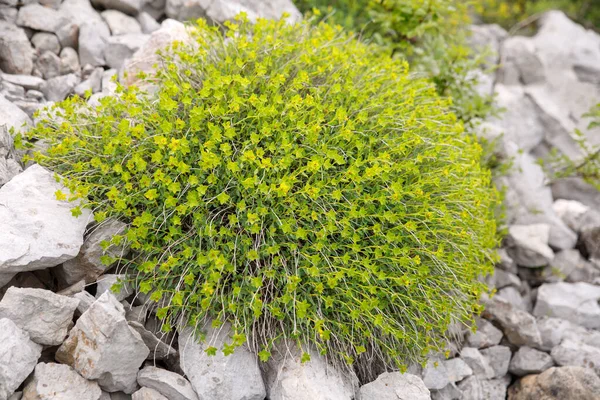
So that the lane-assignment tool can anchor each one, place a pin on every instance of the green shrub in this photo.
(293, 181)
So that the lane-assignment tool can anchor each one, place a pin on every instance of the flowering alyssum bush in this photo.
(294, 182)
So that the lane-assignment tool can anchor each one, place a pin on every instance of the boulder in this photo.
(147, 23)
(575, 302)
(519, 63)
(394, 386)
(85, 301)
(27, 81)
(486, 335)
(48, 65)
(120, 48)
(104, 348)
(44, 41)
(574, 188)
(159, 350)
(520, 327)
(528, 361)
(69, 61)
(40, 18)
(498, 358)
(59, 382)
(92, 41)
(477, 362)
(169, 384)
(528, 245)
(234, 377)
(11, 116)
(221, 11)
(16, 53)
(106, 282)
(39, 231)
(92, 84)
(554, 330)
(511, 295)
(457, 369)
(120, 23)
(557, 383)
(477, 388)
(58, 88)
(570, 266)
(18, 356)
(45, 316)
(576, 354)
(435, 375)
(147, 394)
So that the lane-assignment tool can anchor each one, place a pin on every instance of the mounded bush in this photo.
(293, 181)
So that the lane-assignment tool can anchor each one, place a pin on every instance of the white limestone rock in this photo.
(120, 23)
(554, 330)
(18, 356)
(221, 11)
(395, 386)
(576, 354)
(39, 231)
(147, 394)
(575, 302)
(528, 361)
(12, 116)
(477, 362)
(528, 245)
(104, 348)
(169, 384)
(60, 382)
(44, 315)
(16, 53)
(498, 358)
(519, 327)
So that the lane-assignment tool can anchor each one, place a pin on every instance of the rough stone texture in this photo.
(554, 330)
(38, 230)
(11, 116)
(120, 48)
(590, 240)
(58, 88)
(519, 326)
(44, 315)
(93, 83)
(27, 81)
(92, 41)
(476, 388)
(528, 245)
(104, 348)
(571, 212)
(570, 266)
(221, 11)
(131, 7)
(435, 375)
(513, 296)
(69, 61)
(106, 282)
(528, 361)
(85, 301)
(60, 382)
(147, 23)
(450, 392)
(574, 188)
(159, 350)
(558, 383)
(43, 41)
(147, 394)
(394, 386)
(120, 23)
(575, 302)
(499, 358)
(146, 56)
(48, 64)
(477, 362)
(15, 50)
(235, 377)
(457, 369)
(18, 356)
(577, 354)
(520, 63)
(40, 18)
(171, 385)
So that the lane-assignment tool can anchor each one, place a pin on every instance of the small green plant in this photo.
(587, 166)
(294, 182)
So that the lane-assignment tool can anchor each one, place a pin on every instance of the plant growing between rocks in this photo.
(294, 182)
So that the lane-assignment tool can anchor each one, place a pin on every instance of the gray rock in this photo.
(147, 23)
(30, 310)
(575, 302)
(55, 381)
(92, 41)
(29, 107)
(394, 386)
(93, 83)
(40, 18)
(106, 282)
(498, 358)
(590, 240)
(235, 377)
(570, 266)
(131, 7)
(9, 168)
(58, 88)
(159, 350)
(225, 10)
(120, 396)
(576, 354)
(104, 348)
(573, 188)
(571, 212)
(8, 14)
(120, 48)
(528, 245)
(26, 81)
(169, 384)
(147, 394)
(68, 35)
(119, 23)
(12, 116)
(85, 301)
(48, 64)
(558, 383)
(39, 231)
(450, 392)
(12, 92)
(528, 361)
(457, 369)
(554, 330)
(69, 61)
(435, 375)
(519, 63)
(43, 41)
(502, 279)
(476, 388)
(519, 326)
(135, 313)
(477, 362)
(18, 356)
(511, 295)
(16, 53)
(108, 85)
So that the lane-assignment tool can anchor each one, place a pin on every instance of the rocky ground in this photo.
(64, 335)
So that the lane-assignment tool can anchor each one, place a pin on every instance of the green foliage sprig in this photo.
(294, 182)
